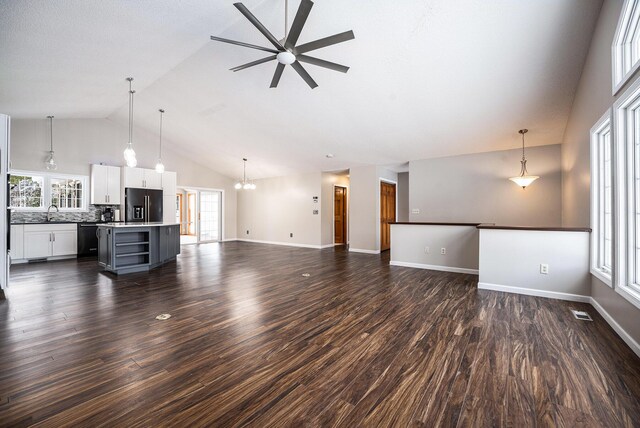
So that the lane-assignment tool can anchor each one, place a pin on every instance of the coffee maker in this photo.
(107, 214)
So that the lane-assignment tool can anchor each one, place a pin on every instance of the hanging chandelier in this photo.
(524, 179)
(50, 163)
(129, 153)
(244, 183)
(160, 165)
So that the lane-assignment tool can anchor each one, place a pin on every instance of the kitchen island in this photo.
(137, 247)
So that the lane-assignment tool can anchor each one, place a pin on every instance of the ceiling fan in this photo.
(286, 52)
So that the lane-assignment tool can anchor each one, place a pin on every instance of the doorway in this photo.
(200, 215)
(387, 213)
(340, 215)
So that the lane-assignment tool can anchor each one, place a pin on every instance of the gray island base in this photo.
(137, 247)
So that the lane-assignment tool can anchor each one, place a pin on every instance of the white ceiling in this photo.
(428, 78)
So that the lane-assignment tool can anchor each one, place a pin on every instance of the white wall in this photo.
(476, 188)
(329, 181)
(592, 99)
(510, 261)
(408, 244)
(280, 206)
(80, 142)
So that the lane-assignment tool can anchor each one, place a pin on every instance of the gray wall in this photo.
(403, 196)
(280, 206)
(592, 99)
(475, 188)
(80, 142)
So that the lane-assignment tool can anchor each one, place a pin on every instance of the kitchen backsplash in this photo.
(92, 214)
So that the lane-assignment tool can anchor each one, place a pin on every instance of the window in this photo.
(33, 191)
(626, 45)
(26, 191)
(627, 182)
(602, 199)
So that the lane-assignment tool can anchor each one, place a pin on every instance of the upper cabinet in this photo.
(141, 178)
(169, 183)
(105, 185)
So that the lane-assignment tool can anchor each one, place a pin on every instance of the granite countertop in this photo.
(58, 222)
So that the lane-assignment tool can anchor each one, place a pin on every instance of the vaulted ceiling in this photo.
(428, 78)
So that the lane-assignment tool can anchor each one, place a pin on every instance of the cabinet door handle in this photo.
(50, 239)
(54, 237)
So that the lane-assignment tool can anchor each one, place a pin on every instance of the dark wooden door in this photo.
(387, 213)
(340, 215)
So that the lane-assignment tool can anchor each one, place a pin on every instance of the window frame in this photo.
(625, 46)
(46, 191)
(599, 130)
(627, 132)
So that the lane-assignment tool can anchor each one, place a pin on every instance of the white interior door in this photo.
(209, 216)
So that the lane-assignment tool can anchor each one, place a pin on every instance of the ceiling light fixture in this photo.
(50, 163)
(129, 153)
(160, 165)
(244, 183)
(524, 179)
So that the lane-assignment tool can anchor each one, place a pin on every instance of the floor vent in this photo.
(37, 260)
(581, 315)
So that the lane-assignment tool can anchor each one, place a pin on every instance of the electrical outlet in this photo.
(415, 211)
(443, 251)
(247, 232)
(291, 235)
(427, 250)
(544, 269)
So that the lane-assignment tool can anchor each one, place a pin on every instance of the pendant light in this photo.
(50, 163)
(524, 179)
(244, 183)
(160, 165)
(129, 153)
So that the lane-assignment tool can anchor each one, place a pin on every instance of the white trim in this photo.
(628, 23)
(329, 246)
(285, 244)
(360, 250)
(46, 190)
(434, 267)
(227, 240)
(635, 346)
(534, 292)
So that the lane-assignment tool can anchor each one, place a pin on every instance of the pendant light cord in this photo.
(50, 133)
(161, 114)
(244, 171)
(523, 162)
(131, 92)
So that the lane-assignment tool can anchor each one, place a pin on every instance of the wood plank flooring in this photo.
(252, 342)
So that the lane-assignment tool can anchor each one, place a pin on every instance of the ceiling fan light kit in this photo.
(285, 51)
(524, 179)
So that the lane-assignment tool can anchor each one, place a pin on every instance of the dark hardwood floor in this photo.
(253, 342)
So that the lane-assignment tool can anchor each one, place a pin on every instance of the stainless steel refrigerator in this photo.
(142, 205)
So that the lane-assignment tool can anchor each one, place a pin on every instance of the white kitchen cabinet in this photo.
(17, 242)
(37, 244)
(169, 183)
(105, 185)
(141, 178)
(169, 209)
(49, 240)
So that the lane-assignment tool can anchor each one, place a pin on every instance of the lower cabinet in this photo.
(17, 242)
(169, 242)
(47, 240)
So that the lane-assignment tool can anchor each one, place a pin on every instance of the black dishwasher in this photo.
(88, 239)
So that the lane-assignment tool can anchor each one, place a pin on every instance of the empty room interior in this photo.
(328, 213)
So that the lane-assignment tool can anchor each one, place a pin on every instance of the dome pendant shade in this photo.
(524, 179)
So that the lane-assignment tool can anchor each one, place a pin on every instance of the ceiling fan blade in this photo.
(252, 63)
(243, 9)
(322, 43)
(298, 23)
(277, 75)
(303, 73)
(246, 45)
(322, 63)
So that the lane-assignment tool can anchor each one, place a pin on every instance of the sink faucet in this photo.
(49, 211)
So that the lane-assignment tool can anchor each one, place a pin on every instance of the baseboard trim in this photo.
(434, 267)
(284, 244)
(230, 240)
(635, 346)
(359, 250)
(533, 292)
(327, 246)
